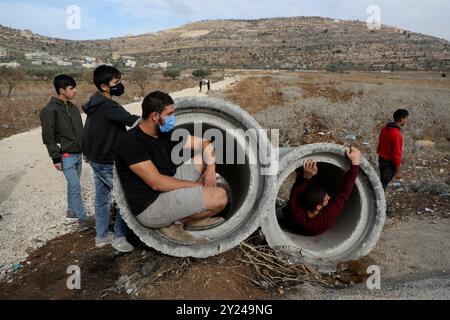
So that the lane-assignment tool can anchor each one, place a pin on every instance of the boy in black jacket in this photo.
(61, 133)
(106, 122)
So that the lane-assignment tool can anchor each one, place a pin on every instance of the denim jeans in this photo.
(103, 177)
(71, 166)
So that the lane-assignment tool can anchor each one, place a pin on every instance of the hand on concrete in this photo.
(58, 166)
(309, 169)
(354, 155)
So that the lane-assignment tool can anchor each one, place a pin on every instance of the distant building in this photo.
(64, 63)
(26, 33)
(115, 56)
(130, 63)
(13, 64)
(153, 65)
(3, 52)
(161, 65)
(89, 59)
(90, 65)
(36, 55)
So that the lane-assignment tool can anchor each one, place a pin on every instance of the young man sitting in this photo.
(310, 207)
(160, 193)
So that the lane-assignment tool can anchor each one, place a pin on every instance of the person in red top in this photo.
(310, 207)
(390, 147)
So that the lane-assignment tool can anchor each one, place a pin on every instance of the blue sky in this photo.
(110, 18)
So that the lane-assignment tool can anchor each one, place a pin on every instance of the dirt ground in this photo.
(255, 93)
(418, 249)
(45, 277)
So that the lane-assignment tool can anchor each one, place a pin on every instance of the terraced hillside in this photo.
(290, 43)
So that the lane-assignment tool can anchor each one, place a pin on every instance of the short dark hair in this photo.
(155, 101)
(400, 114)
(312, 197)
(63, 81)
(104, 74)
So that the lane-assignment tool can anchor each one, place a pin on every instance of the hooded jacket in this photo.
(62, 128)
(106, 122)
(390, 144)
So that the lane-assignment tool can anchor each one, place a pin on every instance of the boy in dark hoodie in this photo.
(61, 133)
(106, 122)
(390, 148)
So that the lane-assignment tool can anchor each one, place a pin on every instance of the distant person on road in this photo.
(106, 122)
(390, 148)
(162, 194)
(206, 82)
(62, 130)
(310, 207)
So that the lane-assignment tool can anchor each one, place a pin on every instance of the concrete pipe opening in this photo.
(357, 229)
(248, 188)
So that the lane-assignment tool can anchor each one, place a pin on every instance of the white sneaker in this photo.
(122, 245)
(101, 242)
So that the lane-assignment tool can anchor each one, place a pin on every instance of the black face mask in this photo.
(117, 90)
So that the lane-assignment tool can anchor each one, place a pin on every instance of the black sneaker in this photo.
(71, 217)
(83, 226)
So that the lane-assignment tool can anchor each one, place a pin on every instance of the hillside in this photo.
(290, 43)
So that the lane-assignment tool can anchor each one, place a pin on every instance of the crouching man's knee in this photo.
(215, 198)
(222, 198)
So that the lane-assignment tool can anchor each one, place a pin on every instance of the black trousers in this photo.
(387, 171)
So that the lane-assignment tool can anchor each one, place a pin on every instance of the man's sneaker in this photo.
(204, 224)
(177, 234)
(71, 217)
(101, 242)
(122, 245)
(83, 226)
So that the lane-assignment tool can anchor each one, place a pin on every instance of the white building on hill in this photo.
(13, 64)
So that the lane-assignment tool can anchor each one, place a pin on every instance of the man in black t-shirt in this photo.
(161, 194)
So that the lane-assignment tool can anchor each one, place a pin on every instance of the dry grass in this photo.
(361, 109)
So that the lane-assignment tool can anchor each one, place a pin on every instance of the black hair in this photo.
(400, 114)
(63, 81)
(155, 101)
(104, 74)
(312, 197)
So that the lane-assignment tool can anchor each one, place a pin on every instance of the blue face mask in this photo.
(169, 124)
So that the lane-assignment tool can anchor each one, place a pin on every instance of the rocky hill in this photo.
(279, 43)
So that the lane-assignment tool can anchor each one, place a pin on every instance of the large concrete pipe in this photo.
(357, 229)
(249, 186)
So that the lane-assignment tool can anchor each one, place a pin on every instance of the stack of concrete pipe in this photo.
(254, 194)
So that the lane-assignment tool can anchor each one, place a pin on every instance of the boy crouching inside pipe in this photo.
(310, 207)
